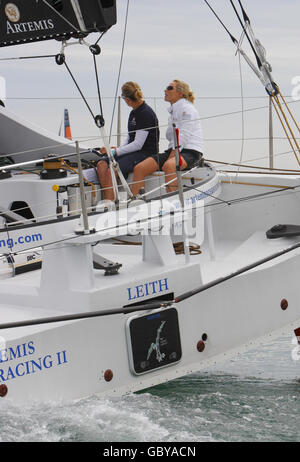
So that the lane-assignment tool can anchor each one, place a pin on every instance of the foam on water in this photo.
(252, 398)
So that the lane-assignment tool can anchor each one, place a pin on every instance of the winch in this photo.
(53, 169)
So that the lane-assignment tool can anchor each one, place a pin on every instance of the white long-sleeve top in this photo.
(136, 145)
(186, 118)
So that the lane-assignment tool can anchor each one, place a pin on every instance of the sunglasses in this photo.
(170, 87)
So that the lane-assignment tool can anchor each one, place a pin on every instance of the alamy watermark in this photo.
(153, 218)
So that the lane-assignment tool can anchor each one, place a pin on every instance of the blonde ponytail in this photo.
(132, 90)
(184, 88)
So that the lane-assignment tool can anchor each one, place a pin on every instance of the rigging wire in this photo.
(92, 138)
(54, 98)
(208, 194)
(153, 305)
(122, 54)
(242, 111)
(234, 201)
(96, 43)
(265, 68)
(79, 89)
(60, 15)
(281, 171)
(98, 86)
(259, 63)
(26, 57)
(221, 22)
(119, 72)
(220, 205)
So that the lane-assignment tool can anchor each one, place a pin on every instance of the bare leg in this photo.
(169, 169)
(105, 179)
(140, 171)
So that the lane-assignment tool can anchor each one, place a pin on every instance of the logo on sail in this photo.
(12, 12)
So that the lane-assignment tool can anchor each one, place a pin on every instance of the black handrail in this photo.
(149, 306)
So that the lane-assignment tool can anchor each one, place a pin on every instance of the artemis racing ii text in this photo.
(21, 360)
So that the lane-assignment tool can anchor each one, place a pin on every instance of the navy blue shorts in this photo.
(127, 162)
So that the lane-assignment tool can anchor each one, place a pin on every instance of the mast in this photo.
(271, 139)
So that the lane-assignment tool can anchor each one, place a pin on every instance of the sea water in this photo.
(254, 397)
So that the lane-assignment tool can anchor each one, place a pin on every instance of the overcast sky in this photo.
(168, 39)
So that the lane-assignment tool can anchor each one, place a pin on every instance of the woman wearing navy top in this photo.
(142, 140)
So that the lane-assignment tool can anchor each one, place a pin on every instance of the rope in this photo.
(284, 128)
(92, 138)
(119, 72)
(287, 122)
(194, 249)
(254, 173)
(253, 197)
(290, 112)
(269, 171)
(207, 194)
(152, 305)
(252, 166)
(68, 167)
(257, 184)
(54, 98)
(237, 273)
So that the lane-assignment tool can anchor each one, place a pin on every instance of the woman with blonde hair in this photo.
(142, 140)
(186, 118)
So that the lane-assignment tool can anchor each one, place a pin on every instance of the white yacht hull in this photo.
(77, 358)
(72, 360)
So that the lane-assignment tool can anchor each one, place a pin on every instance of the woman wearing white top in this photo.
(186, 118)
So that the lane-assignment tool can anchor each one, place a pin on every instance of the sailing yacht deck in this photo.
(135, 282)
(232, 255)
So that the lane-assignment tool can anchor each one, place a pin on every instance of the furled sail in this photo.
(26, 21)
